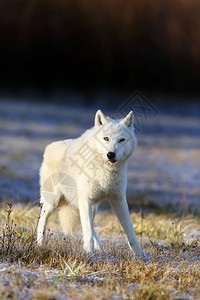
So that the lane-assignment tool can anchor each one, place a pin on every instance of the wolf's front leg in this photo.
(97, 244)
(85, 210)
(120, 207)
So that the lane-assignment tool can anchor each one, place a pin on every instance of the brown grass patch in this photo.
(61, 268)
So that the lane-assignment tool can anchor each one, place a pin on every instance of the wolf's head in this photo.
(114, 139)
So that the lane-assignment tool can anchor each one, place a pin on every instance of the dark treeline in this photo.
(52, 44)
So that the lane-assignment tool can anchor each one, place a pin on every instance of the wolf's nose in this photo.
(111, 155)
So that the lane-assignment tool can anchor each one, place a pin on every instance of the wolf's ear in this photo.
(100, 119)
(129, 120)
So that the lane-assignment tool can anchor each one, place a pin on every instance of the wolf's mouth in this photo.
(113, 161)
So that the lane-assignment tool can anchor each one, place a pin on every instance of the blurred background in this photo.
(49, 46)
(63, 60)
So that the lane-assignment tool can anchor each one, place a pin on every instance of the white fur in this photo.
(91, 178)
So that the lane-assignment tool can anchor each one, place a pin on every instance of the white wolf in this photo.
(77, 174)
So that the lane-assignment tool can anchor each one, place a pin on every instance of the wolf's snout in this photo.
(111, 155)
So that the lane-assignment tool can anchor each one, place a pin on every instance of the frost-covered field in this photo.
(61, 270)
(164, 171)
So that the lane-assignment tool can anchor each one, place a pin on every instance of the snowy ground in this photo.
(164, 171)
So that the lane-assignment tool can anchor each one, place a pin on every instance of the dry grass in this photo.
(60, 269)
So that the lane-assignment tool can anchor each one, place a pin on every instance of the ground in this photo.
(163, 194)
(60, 269)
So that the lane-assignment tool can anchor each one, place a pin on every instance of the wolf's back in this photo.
(54, 156)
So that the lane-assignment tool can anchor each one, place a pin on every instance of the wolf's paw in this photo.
(98, 247)
(142, 257)
(40, 242)
(145, 258)
(90, 258)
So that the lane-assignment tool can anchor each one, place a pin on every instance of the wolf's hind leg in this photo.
(46, 210)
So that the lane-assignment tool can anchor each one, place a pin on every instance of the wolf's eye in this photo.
(121, 140)
(106, 139)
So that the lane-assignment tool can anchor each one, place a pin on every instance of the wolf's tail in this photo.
(69, 217)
